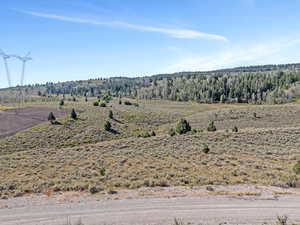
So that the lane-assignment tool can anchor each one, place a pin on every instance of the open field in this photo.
(243, 158)
(82, 158)
(130, 121)
(80, 155)
(15, 120)
(2, 107)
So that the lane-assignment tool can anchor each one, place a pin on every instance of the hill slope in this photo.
(254, 84)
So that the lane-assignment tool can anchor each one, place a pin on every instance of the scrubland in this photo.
(79, 155)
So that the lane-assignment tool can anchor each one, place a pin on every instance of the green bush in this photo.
(183, 127)
(205, 149)
(61, 102)
(297, 168)
(96, 103)
(194, 131)
(211, 127)
(73, 114)
(235, 129)
(51, 117)
(94, 190)
(102, 104)
(102, 171)
(111, 114)
(172, 132)
(127, 103)
(107, 126)
(144, 134)
(153, 133)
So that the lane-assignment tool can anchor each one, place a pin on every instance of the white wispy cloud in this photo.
(258, 53)
(175, 33)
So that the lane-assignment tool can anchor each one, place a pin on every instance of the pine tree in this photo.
(107, 126)
(73, 114)
(61, 102)
(211, 127)
(110, 114)
(51, 118)
(183, 127)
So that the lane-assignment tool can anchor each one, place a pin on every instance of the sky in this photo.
(83, 39)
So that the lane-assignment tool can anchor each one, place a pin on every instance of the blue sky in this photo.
(82, 39)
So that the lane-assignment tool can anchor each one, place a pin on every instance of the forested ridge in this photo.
(253, 84)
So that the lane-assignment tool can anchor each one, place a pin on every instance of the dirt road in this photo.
(205, 210)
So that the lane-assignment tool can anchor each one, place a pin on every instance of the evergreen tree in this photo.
(61, 102)
(110, 114)
(211, 127)
(51, 118)
(107, 126)
(183, 127)
(73, 114)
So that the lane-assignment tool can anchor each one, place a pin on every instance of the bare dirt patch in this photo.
(15, 120)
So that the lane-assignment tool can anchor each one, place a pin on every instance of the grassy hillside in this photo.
(263, 157)
(80, 155)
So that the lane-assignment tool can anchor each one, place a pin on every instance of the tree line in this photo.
(253, 84)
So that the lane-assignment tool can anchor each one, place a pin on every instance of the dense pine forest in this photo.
(254, 84)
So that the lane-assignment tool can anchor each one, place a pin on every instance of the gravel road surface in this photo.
(205, 210)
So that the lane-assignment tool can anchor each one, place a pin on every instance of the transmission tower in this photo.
(5, 57)
(24, 61)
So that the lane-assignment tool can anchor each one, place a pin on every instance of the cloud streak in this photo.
(258, 53)
(175, 33)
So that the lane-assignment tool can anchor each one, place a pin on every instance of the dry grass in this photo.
(3, 107)
(80, 155)
(158, 161)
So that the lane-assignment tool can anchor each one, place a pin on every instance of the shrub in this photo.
(127, 103)
(96, 103)
(102, 104)
(211, 127)
(61, 102)
(205, 149)
(136, 104)
(235, 129)
(112, 191)
(183, 127)
(153, 133)
(107, 126)
(110, 114)
(172, 132)
(120, 102)
(282, 220)
(297, 168)
(51, 117)
(146, 134)
(94, 190)
(73, 114)
(102, 171)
